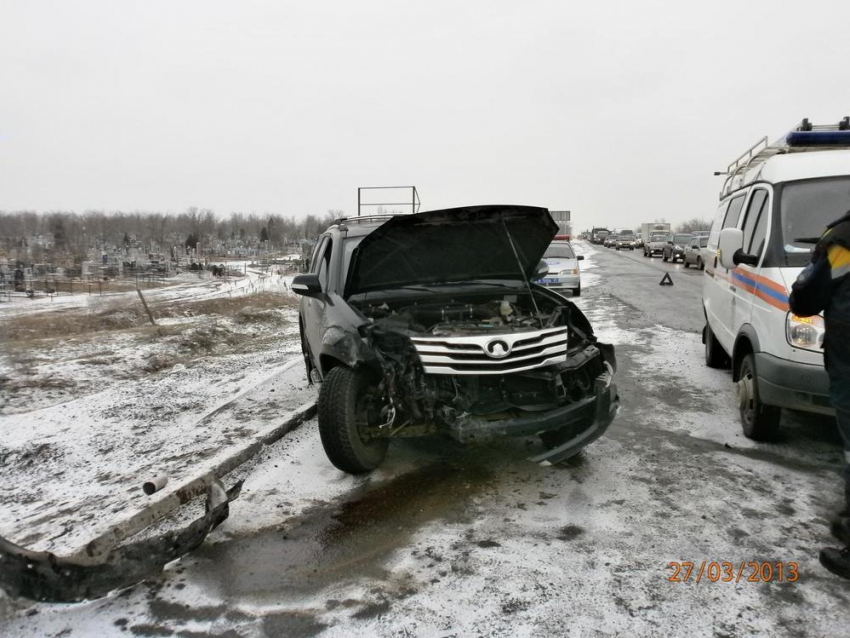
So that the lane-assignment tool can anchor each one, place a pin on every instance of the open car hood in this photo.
(451, 245)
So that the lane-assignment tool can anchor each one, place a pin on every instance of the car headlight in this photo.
(569, 271)
(806, 333)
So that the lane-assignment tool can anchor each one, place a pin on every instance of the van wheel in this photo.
(577, 292)
(342, 411)
(700, 265)
(715, 356)
(760, 421)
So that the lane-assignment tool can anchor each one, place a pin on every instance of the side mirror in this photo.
(731, 241)
(307, 285)
(580, 257)
(740, 257)
(541, 271)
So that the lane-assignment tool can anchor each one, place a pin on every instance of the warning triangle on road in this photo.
(665, 280)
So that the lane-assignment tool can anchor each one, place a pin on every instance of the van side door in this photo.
(745, 278)
(718, 288)
(763, 308)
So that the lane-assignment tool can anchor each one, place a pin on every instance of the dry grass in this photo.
(109, 314)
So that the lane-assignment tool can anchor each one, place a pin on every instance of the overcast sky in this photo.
(618, 111)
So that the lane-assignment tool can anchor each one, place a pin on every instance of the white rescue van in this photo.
(776, 202)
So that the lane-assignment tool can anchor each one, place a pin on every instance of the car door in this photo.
(745, 277)
(719, 301)
(313, 309)
(691, 251)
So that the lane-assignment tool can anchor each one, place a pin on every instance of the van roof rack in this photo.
(805, 137)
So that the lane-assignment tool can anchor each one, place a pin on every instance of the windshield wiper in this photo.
(807, 240)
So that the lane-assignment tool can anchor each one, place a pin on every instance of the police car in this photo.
(776, 201)
(564, 271)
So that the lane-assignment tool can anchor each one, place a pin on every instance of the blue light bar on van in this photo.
(818, 138)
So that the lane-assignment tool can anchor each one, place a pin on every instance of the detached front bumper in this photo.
(588, 420)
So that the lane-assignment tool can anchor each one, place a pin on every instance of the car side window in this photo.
(324, 263)
(717, 224)
(756, 245)
(734, 212)
(314, 259)
(758, 202)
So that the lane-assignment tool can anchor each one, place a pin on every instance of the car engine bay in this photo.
(436, 367)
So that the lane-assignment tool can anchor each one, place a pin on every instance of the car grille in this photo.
(492, 354)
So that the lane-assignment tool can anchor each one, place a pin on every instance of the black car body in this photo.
(430, 324)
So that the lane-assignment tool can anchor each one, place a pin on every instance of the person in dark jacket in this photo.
(824, 286)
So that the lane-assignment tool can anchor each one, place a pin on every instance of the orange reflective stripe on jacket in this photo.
(839, 260)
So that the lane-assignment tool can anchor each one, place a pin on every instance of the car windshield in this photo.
(564, 251)
(627, 237)
(658, 238)
(806, 208)
(682, 239)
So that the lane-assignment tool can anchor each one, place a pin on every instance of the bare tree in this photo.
(691, 225)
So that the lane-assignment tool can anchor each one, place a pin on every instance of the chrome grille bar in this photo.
(492, 353)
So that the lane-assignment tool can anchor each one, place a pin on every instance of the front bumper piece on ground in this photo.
(589, 418)
(43, 576)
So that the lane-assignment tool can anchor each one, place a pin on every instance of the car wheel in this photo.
(341, 412)
(685, 263)
(715, 356)
(760, 421)
(700, 265)
(577, 292)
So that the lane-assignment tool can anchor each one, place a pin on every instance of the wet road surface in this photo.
(447, 541)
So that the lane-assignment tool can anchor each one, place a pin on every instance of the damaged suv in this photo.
(430, 323)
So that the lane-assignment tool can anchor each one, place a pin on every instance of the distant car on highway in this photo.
(675, 247)
(564, 271)
(610, 241)
(655, 244)
(625, 242)
(694, 252)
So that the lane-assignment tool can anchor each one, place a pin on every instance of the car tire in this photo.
(759, 421)
(685, 263)
(700, 263)
(715, 356)
(341, 439)
(577, 292)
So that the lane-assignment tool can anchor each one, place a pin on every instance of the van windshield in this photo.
(806, 207)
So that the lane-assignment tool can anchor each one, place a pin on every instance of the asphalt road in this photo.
(452, 541)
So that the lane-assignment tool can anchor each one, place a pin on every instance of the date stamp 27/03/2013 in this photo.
(728, 572)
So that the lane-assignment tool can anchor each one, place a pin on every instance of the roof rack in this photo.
(805, 137)
(412, 200)
(366, 219)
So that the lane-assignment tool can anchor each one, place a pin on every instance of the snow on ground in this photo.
(87, 418)
(445, 540)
